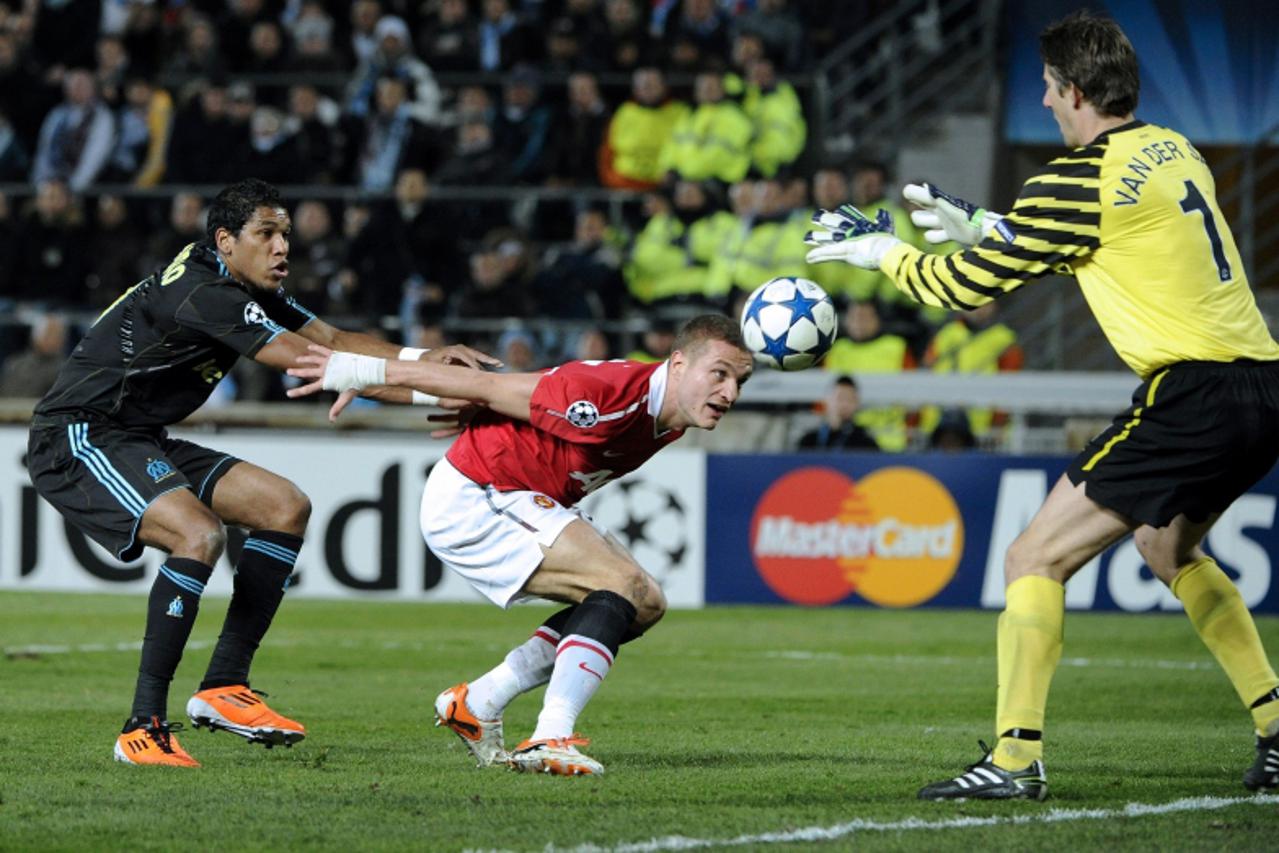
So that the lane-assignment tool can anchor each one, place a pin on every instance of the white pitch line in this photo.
(1107, 663)
(843, 830)
(38, 650)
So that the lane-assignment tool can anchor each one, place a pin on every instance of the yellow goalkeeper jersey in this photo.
(1133, 216)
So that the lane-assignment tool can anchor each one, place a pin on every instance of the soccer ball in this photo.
(789, 323)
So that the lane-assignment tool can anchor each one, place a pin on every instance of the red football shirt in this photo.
(591, 422)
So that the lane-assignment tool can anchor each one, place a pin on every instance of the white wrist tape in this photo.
(421, 398)
(348, 371)
(411, 353)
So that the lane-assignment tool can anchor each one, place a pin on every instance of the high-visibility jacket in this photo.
(713, 141)
(780, 129)
(636, 136)
(882, 354)
(957, 349)
(751, 257)
(671, 260)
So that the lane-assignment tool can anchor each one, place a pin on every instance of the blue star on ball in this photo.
(801, 306)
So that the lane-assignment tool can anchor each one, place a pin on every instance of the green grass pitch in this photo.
(764, 728)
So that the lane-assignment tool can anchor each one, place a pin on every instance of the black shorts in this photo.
(1197, 436)
(102, 477)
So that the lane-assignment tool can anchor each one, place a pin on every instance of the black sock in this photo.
(171, 611)
(602, 616)
(261, 577)
(559, 620)
(1023, 734)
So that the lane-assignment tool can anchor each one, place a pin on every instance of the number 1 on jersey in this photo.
(1194, 201)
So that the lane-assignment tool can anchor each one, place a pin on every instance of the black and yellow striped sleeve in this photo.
(1056, 219)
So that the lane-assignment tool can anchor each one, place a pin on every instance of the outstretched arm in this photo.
(319, 332)
(507, 393)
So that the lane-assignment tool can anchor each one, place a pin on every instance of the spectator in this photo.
(475, 160)
(638, 132)
(671, 257)
(866, 348)
(713, 140)
(316, 256)
(953, 432)
(144, 35)
(407, 255)
(394, 58)
(275, 154)
(200, 53)
(111, 70)
(780, 30)
(498, 285)
(202, 135)
(9, 236)
(504, 40)
(235, 26)
(518, 350)
(870, 193)
(313, 51)
(522, 128)
(313, 122)
(143, 125)
(578, 138)
(363, 19)
(656, 342)
(267, 55)
(15, 162)
(839, 429)
(624, 44)
(31, 373)
(51, 265)
(450, 39)
(25, 97)
(391, 137)
(591, 345)
(565, 49)
(975, 341)
(695, 37)
(776, 116)
(76, 138)
(116, 247)
(186, 225)
(241, 103)
(772, 245)
(581, 281)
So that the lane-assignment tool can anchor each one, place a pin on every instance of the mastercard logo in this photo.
(894, 538)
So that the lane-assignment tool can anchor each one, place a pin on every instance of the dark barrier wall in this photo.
(929, 531)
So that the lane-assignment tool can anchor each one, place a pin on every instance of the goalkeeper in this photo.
(1131, 212)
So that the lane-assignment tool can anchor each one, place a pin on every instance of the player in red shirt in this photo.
(500, 510)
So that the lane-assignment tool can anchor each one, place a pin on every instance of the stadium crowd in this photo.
(369, 113)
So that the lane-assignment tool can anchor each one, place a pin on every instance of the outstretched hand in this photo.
(313, 365)
(846, 234)
(460, 354)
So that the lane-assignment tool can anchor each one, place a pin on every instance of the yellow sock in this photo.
(1029, 648)
(1224, 624)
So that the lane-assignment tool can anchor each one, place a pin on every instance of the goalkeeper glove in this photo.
(851, 236)
(949, 218)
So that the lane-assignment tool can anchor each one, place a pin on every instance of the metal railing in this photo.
(913, 63)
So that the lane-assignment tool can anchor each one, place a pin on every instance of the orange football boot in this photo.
(482, 737)
(557, 756)
(153, 743)
(240, 710)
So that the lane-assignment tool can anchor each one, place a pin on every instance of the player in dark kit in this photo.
(99, 452)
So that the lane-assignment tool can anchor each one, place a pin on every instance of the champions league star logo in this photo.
(583, 414)
(253, 313)
(648, 518)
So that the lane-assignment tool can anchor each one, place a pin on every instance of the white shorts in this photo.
(493, 539)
